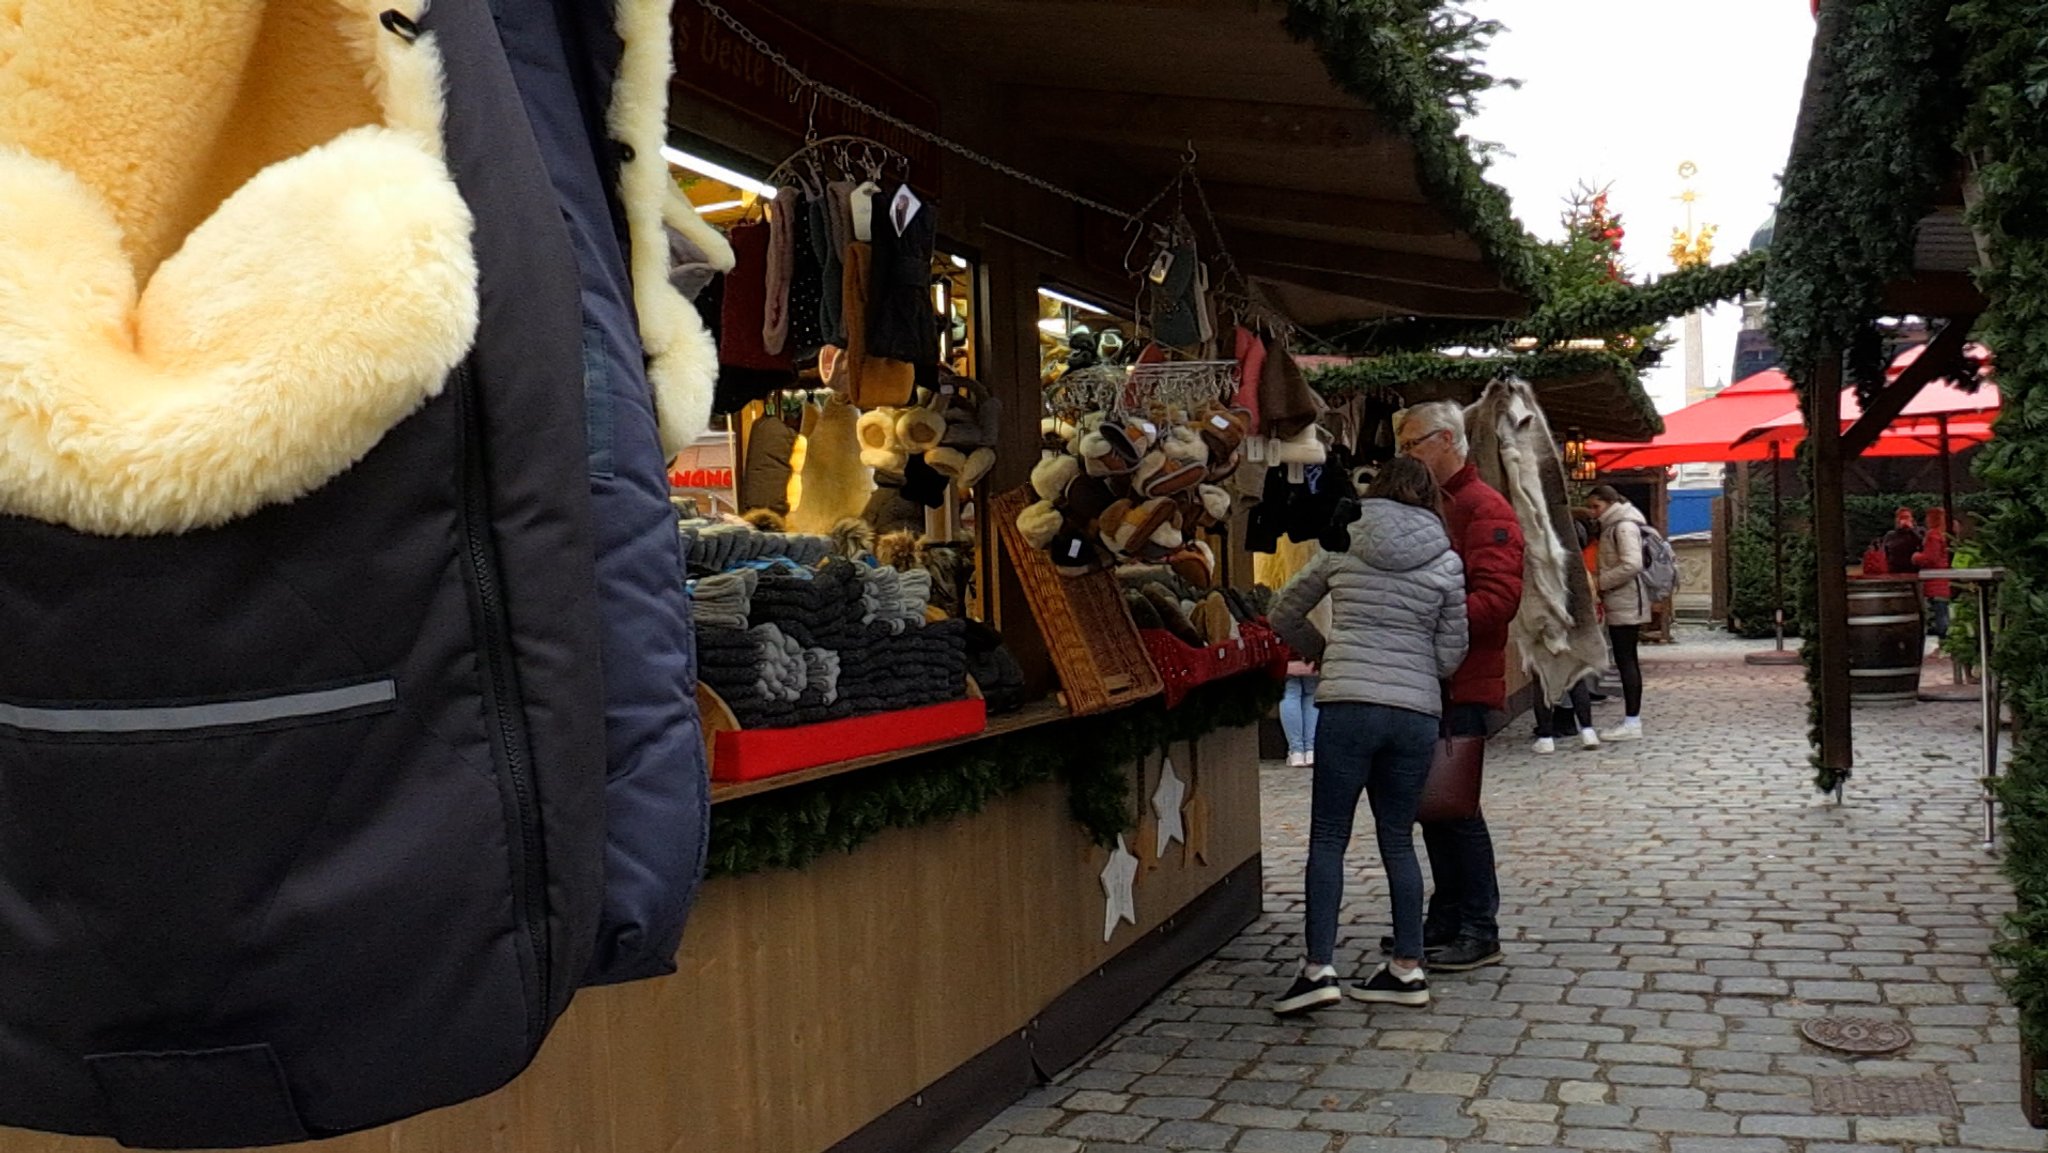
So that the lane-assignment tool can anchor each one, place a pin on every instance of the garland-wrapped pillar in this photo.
(1824, 426)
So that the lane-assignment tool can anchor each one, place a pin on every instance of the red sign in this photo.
(714, 62)
(713, 478)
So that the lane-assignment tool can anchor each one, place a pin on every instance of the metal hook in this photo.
(811, 120)
(1189, 157)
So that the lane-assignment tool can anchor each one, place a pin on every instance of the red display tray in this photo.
(1184, 667)
(755, 754)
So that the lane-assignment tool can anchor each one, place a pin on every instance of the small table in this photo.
(1985, 582)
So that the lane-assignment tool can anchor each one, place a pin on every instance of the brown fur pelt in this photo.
(766, 520)
(898, 550)
(951, 564)
(853, 538)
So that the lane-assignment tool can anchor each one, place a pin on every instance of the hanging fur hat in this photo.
(1287, 404)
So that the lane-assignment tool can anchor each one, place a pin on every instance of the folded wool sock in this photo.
(915, 591)
(723, 600)
(821, 667)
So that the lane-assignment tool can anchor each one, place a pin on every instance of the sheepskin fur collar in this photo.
(231, 253)
(232, 256)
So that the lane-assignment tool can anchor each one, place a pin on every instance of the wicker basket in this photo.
(1088, 632)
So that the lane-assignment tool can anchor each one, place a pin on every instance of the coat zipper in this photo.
(512, 742)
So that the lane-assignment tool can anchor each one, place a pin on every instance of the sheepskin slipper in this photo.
(920, 430)
(1304, 447)
(1051, 475)
(1186, 445)
(205, 311)
(1039, 523)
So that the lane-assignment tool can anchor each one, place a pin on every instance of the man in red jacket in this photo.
(1462, 931)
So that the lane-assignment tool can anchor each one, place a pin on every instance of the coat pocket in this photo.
(148, 838)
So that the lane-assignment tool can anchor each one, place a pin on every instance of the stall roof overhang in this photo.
(1598, 394)
(1334, 212)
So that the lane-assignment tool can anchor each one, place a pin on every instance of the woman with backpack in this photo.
(1397, 596)
(1624, 598)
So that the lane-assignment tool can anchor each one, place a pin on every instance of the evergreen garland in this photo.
(1882, 112)
(2008, 135)
(789, 828)
(1415, 63)
(1406, 373)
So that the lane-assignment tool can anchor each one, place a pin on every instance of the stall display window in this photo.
(1074, 333)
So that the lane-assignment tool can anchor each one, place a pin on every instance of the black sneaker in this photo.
(1384, 988)
(1310, 991)
(1464, 955)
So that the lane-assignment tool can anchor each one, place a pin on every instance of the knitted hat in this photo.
(1251, 363)
(1287, 405)
(1052, 474)
(1039, 523)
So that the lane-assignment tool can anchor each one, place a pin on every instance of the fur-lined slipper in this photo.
(1052, 474)
(1039, 523)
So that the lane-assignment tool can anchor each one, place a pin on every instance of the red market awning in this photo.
(1918, 429)
(1705, 433)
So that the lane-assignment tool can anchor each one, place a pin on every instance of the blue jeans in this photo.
(1467, 898)
(1298, 713)
(1383, 752)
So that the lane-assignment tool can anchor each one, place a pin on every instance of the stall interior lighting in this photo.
(721, 206)
(959, 261)
(1053, 325)
(718, 172)
(1070, 301)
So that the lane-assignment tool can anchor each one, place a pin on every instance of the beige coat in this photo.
(1621, 566)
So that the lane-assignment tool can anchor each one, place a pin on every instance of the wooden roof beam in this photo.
(1142, 118)
(1934, 294)
(1942, 355)
(1394, 296)
(1254, 203)
(1374, 263)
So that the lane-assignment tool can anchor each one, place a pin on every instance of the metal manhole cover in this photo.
(1925, 1096)
(1857, 1034)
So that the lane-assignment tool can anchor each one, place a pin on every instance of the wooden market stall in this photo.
(895, 995)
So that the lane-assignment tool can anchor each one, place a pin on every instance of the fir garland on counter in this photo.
(2008, 134)
(789, 828)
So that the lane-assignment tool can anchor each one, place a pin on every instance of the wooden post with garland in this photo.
(1837, 754)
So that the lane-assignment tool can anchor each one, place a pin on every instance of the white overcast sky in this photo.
(1621, 92)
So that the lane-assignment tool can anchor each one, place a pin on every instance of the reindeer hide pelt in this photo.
(1557, 629)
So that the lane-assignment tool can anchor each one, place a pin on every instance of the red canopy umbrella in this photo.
(1941, 407)
(1705, 433)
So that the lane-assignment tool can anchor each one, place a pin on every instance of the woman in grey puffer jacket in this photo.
(1398, 629)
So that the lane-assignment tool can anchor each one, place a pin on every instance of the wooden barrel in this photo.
(1886, 642)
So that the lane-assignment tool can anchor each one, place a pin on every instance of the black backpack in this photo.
(303, 796)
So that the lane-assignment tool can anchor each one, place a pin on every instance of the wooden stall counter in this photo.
(889, 999)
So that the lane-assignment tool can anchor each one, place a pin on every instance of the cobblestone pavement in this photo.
(1674, 910)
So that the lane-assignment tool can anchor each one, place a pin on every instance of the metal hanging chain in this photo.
(816, 87)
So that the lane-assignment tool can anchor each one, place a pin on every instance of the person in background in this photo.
(1901, 544)
(1934, 554)
(1298, 704)
(1575, 709)
(1298, 700)
(1462, 931)
(1397, 597)
(1623, 599)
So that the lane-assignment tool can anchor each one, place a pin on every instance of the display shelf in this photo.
(1030, 716)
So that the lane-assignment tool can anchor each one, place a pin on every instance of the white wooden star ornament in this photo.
(1167, 800)
(1119, 903)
